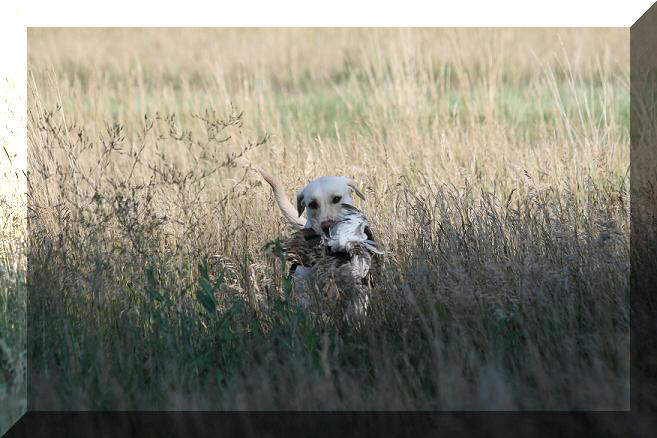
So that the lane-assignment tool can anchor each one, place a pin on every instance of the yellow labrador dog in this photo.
(333, 242)
(321, 199)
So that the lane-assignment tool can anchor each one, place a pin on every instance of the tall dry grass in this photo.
(13, 203)
(495, 165)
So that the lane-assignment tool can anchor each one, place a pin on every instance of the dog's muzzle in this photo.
(326, 225)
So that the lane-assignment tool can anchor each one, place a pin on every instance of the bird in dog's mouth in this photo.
(349, 230)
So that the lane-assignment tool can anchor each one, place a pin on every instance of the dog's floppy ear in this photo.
(301, 206)
(354, 186)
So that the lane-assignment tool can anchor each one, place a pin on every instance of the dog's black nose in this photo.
(326, 225)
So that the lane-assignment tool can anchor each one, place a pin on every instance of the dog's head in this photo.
(323, 198)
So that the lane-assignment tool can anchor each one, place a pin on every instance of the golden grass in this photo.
(464, 101)
(495, 164)
(13, 239)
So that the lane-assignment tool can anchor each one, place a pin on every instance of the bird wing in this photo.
(352, 229)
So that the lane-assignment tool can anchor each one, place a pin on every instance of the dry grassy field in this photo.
(13, 402)
(495, 164)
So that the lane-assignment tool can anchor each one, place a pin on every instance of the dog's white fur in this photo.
(321, 199)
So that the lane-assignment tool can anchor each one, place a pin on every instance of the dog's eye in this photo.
(313, 205)
(337, 199)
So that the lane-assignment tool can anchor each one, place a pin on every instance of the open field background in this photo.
(496, 168)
